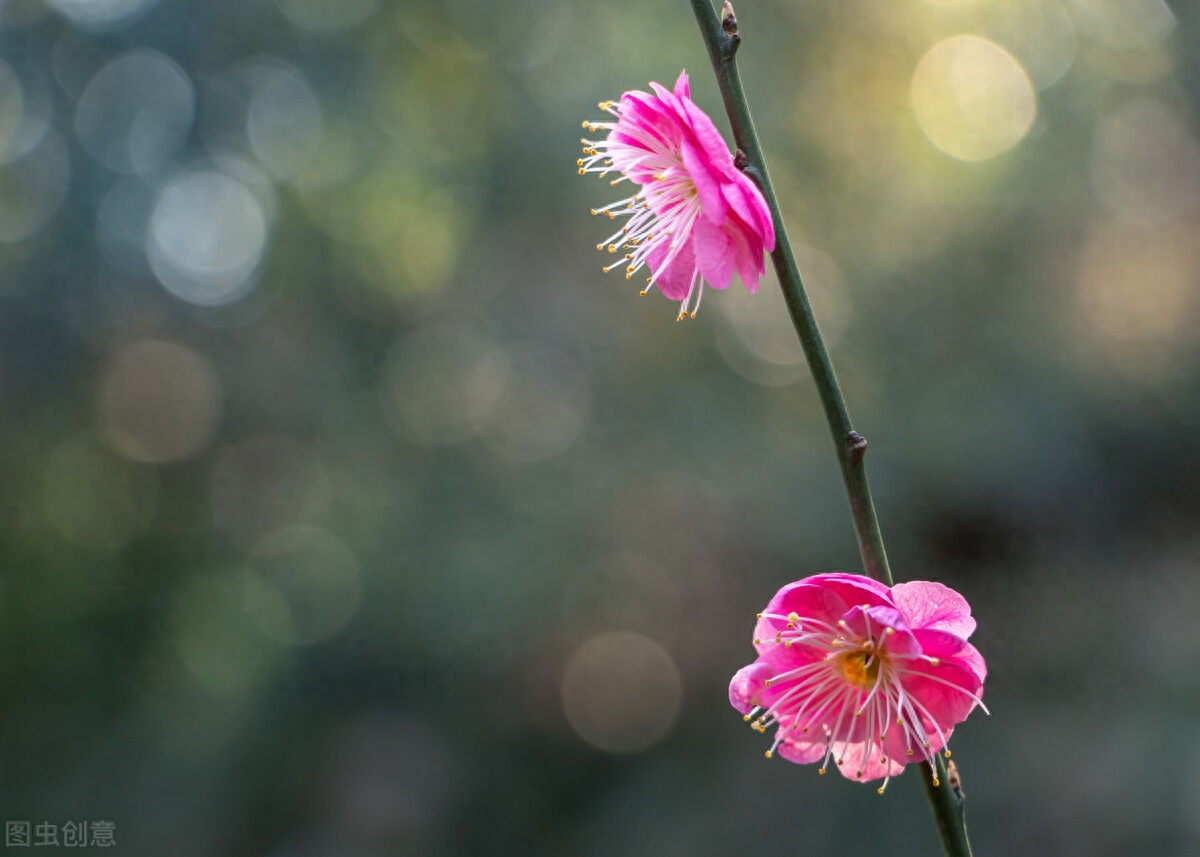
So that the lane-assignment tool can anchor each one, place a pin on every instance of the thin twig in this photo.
(722, 36)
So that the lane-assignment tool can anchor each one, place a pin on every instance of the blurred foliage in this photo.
(350, 510)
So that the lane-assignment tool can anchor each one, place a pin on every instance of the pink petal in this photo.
(676, 281)
(682, 88)
(944, 645)
(747, 685)
(749, 264)
(946, 691)
(714, 253)
(747, 201)
(808, 599)
(712, 202)
(854, 588)
(708, 138)
(802, 752)
(867, 758)
(934, 606)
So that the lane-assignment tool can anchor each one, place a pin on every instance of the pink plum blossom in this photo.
(869, 676)
(696, 217)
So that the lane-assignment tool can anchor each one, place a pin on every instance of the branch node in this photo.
(856, 445)
(730, 25)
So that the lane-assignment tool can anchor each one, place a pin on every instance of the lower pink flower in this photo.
(869, 677)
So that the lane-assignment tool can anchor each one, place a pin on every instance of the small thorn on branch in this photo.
(740, 160)
(856, 445)
(729, 22)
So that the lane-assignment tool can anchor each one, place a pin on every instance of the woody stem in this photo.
(722, 38)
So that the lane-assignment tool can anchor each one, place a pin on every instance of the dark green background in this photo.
(302, 576)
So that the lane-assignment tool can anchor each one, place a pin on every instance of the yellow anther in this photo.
(793, 618)
(859, 775)
(759, 615)
(947, 754)
(858, 714)
(599, 246)
(757, 641)
(934, 662)
(579, 163)
(746, 717)
(629, 275)
(585, 124)
(582, 171)
(821, 771)
(936, 782)
(908, 751)
(767, 682)
(879, 790)
(594, 212)
(614, 182)
(612, 248)
(840, 762)
(890, 631)
(768, 754)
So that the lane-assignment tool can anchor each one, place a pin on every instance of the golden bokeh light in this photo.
(1136, 298)
(1146, 163)
(758, 340)
(622, 692)
(160, 402)
(972, 98)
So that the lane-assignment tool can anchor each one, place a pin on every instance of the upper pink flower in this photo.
(869, 676)
(696, 217)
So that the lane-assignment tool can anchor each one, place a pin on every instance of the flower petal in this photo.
(682, 88)
(676, 281)
(931, 605)
(714, 253)
(712, 202)
(747, 685)
(946, 691)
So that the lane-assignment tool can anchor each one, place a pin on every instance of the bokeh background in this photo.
(348, 509)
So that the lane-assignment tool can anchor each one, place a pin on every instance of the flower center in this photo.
(860, 668)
